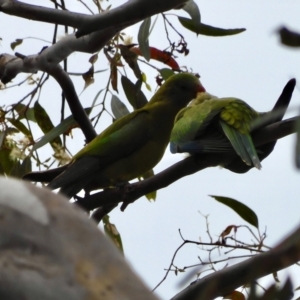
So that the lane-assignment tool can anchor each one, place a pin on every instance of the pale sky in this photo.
(252, 66)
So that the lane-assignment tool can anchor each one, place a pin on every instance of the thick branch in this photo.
(11, 66)
(188, 166)
(42, 14)
(51, 250)
(129, 13)
(76, 108)
(125, 15)
(114, 20)
(226, 280)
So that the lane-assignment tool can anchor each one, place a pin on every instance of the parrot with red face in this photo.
(223, 126)
(129, 147)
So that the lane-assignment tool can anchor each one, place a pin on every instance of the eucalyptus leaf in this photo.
(24, 112)
(298, 144)
(193, 10)
(143, 38)
(64, 126)
(289, 38)
(2, 137)
(166, 73)
(207, 29)
(118, 108)
(241, 209)
(45, 123)
(16, 43)
(26, 165)
(20, 126)
(112, 232)
(6, 162)
(133, 92)
(20, 169)
(16, 170)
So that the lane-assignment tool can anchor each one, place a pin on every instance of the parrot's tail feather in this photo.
(242, 144)
(70, 190)
(205, 146)
(256, 162)
(44, 176)
(173, 148)
(248, 143)
(236, 141)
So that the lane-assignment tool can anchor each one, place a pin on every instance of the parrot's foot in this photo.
(125, 204)
(122, 184)
(127, 199)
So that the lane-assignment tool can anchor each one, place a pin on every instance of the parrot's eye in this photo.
(183, 87)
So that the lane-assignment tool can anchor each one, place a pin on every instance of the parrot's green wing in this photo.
(242, 144)
(212, 125)
(190, 125)
(235, 119)
(115, 138)
(110, 146)
(46, 175)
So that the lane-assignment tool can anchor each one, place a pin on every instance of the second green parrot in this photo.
(129, 147)
(216, 125)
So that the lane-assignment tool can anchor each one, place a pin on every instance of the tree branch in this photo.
(48, 60)
(75, 105)
(123, 16)
(129, 13)
(43, 14)
(226, 280)
(51, 250)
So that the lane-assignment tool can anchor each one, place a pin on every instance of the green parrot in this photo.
(129, 147)
(216, 125)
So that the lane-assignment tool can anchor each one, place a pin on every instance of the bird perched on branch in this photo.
(223, 126)
(129, 147)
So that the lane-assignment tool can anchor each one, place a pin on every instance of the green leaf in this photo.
(298, 144)
(96, 98)
(289, 38)
(113, 233)
(11, 130)
(26, 165)
(118, 108)
(143, 38)
(152, 27)
(24, 112)
(64, 126)
(133, 92)
(6, 163)
(45, 124)
(16, 170)
(193, 10)
(152, 195)
(20, 169)
(16, 43)
(241, 209)
(20, 126)
(207, 29)
(166, 73)
(141, 99)
(2, 137)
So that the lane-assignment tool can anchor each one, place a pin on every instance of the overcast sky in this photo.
(252, 66)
